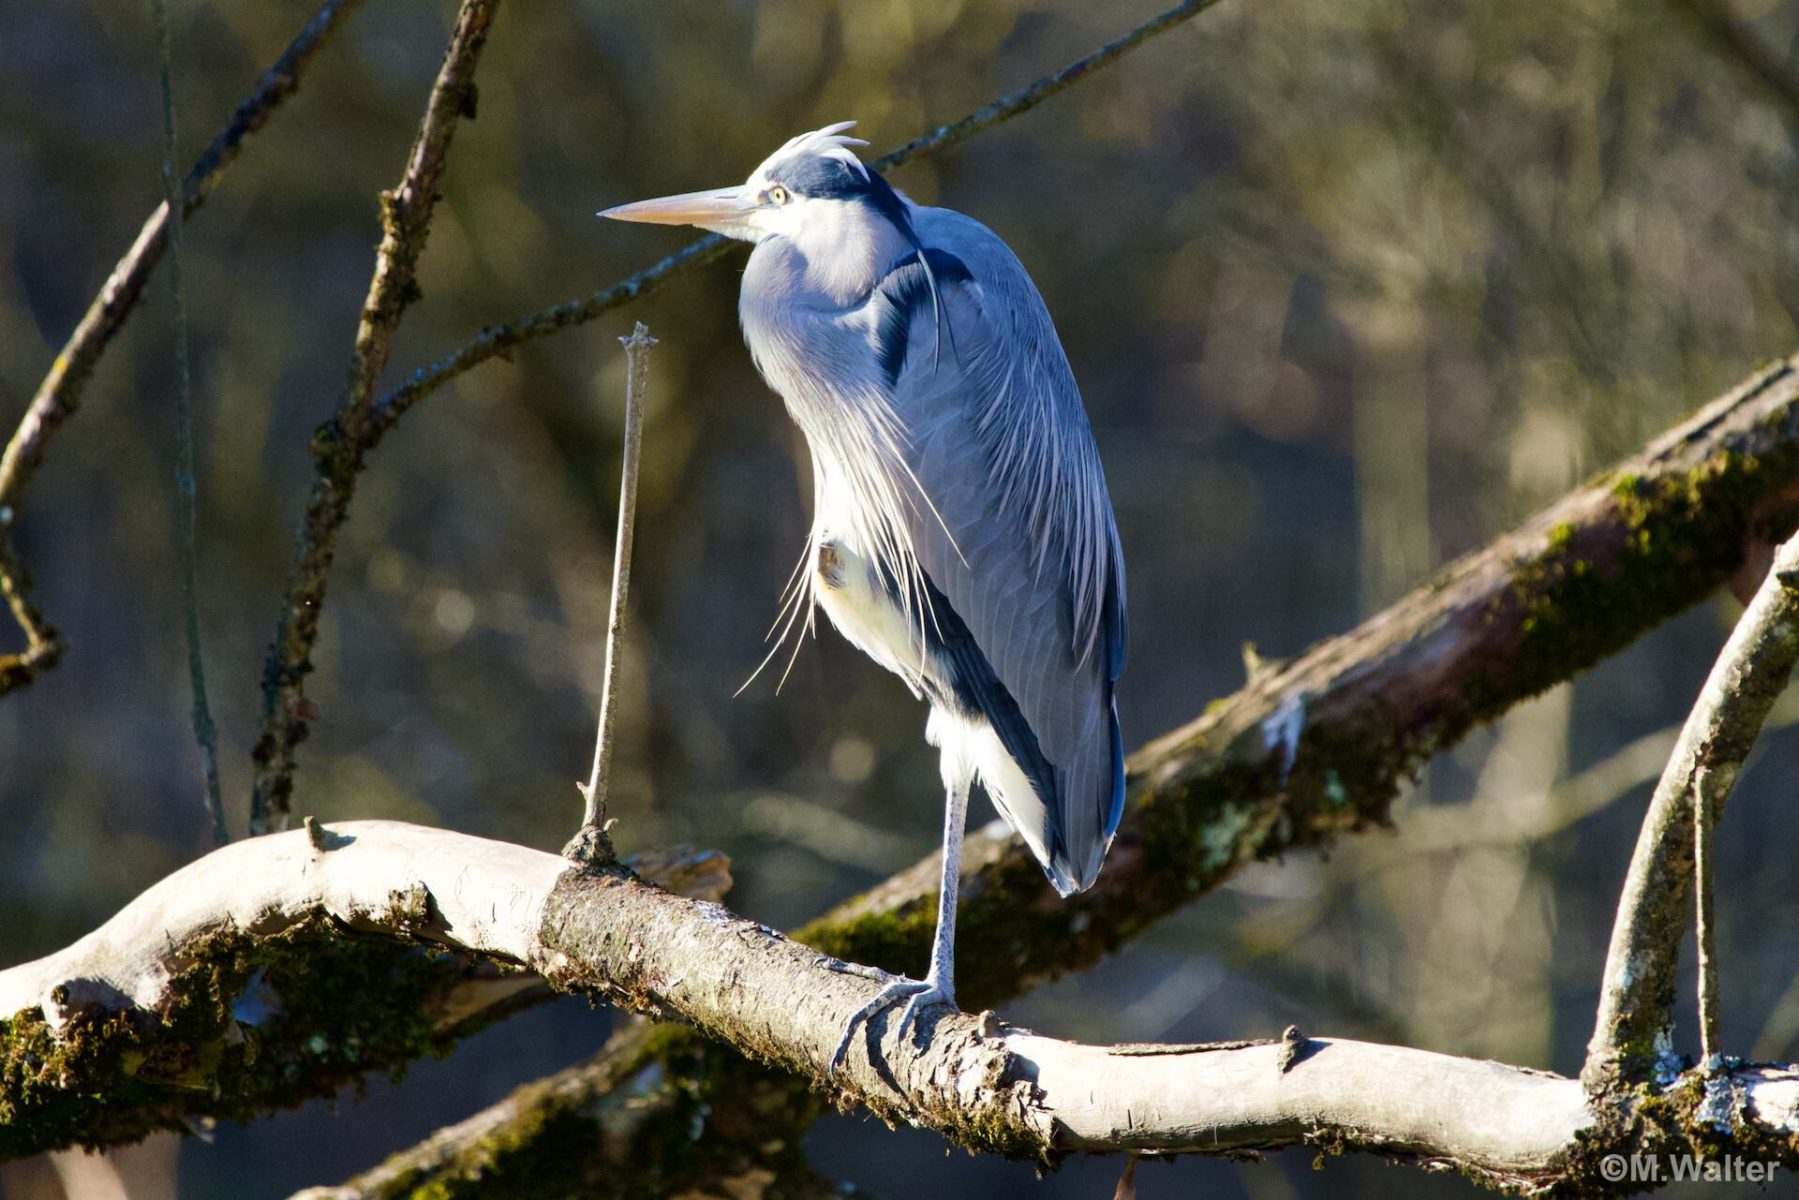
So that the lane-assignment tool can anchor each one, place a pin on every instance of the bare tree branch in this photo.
(342, 443)
(986, 1085)
(1635, 1025)
(59, 395)
(264, 1007)
(1711, 1036)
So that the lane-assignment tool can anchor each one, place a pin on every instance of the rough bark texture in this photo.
(262, 915)
(233, 987)
(1638, 544)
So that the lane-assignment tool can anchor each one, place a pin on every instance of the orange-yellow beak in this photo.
(710, 210)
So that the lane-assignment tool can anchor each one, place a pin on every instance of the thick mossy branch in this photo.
(1582, 579)
(247, 982)
(1574, 584)
(657, 1113)
(204, 995)
(252, 1024)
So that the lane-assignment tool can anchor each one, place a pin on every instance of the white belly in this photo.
(865, 613)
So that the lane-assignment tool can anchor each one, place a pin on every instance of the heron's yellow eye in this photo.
(777, 195)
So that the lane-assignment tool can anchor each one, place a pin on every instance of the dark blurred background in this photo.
(1349, 289)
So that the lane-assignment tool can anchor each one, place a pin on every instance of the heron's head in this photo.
(813, 190)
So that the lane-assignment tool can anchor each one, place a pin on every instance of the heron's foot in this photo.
(919, 995)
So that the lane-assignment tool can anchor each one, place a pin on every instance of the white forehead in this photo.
(829, 142)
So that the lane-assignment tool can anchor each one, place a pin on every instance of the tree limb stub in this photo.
(988, 1086)
(1636, 545)
(59, 394)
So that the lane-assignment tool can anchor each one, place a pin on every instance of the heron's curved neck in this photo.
(834, 260)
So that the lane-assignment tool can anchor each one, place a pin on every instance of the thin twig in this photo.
(498, 340)
(186, 487)
(341, 445)
(1704, 814)
(59, 394)
(592, 843)
(1634, 1027)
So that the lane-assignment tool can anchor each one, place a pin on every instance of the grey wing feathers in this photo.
(1017, 534)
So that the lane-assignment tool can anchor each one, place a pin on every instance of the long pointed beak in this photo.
(723, 206)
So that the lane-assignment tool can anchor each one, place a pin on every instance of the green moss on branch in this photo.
(251, 1024)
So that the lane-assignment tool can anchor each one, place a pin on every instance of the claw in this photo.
(930, 997)
(918, 994)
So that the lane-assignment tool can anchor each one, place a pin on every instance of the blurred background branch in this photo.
(342, 444)
(59, 395)
(206, 736)
(1744, 49)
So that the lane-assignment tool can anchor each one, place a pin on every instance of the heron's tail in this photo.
(1067, 816)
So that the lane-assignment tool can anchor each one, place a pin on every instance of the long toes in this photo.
(929, 997)
(886, 998)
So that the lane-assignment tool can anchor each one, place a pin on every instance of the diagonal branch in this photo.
(637, 1091)
(499, 340)
(1635, 1025)
(59, 395)
(341, 444)
(990, 1087)
(1575, 583)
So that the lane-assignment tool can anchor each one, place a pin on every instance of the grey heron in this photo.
(962, 535)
